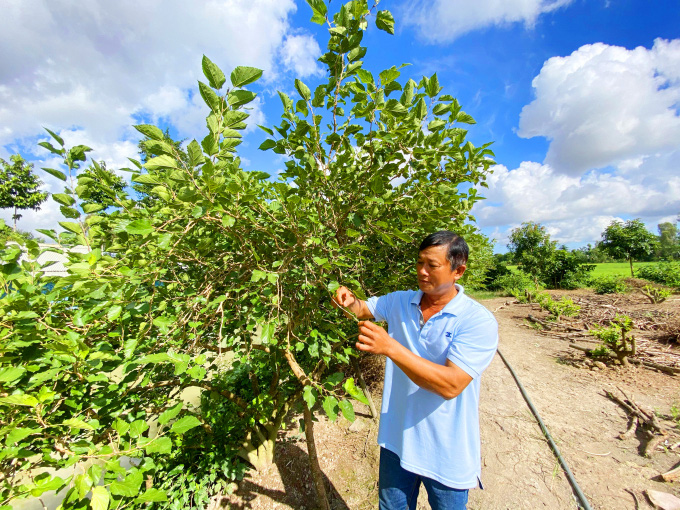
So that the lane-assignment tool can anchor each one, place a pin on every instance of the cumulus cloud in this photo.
(577, 208)
(100, 65)
(441, 21)
(606, 105)
(299, 52)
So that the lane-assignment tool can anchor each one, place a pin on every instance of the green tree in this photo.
(19, 187)
(531, 248)
(100, 186)
(669, 240)
(222, 281)
(630, 240)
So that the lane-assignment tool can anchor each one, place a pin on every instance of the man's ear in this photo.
(458, 272)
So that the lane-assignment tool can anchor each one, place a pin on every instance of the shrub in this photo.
(614, 337)
(609, 284)
(515, 283)
(655, 294)
(666, 273)
(494, 274)
(562, 308)
(564, 270)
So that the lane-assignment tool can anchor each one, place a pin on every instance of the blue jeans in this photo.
(399, 488)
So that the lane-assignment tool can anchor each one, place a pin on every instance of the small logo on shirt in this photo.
(448, 334)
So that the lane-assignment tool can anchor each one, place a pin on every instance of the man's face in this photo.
(434, 271)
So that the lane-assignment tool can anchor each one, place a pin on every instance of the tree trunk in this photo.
(317, 474)
(632, 275)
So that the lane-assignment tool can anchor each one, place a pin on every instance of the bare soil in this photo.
(519, 469)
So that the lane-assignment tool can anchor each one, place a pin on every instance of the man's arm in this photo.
(346, 299)
(447, 381)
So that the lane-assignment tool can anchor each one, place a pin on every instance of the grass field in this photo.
(617, 268)
(612, 268)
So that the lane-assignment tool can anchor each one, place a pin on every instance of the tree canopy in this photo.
(19, 187)
(222, 280)
(630, 240)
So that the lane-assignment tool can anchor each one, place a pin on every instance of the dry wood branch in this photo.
(671, 475)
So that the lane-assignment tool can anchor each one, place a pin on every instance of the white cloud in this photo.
(605, 105)
(441, 21)
(300, 52)
(577, 208)
(97, 64)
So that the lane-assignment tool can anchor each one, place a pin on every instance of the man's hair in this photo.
(457, 249)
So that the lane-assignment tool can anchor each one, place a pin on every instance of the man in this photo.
(438, 343)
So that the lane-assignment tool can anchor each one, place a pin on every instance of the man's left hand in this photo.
(374, 339)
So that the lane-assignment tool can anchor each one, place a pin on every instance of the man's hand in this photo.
(374, 339)
(347, 300)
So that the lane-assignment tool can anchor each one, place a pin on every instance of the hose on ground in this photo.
(583, 501)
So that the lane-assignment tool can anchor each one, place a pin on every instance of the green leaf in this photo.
(258, 275)
(56, 173)
(58, 138)
(18, 434)
(162, 161)
(9, 374)
(240, 97)
(71, 227)
(330, 405)
(319, 10)
(195, 153)
(214, 74)
(152, 496)
(138, 427)
(332, 287)
(309, 395)
(197, 372)
(185, 424)
(354, 391)
(303, 90)
(128, 487)
(159, 445)
(209, 96)
(385, 21)
(93, 208)
(242, 76)
(267, 144)
(77, 423)
(145, 179)
(114, 312)
(150, 131)
(389, 75)
(100, 498)
(347, 409)
(170, 414)
(141, 226)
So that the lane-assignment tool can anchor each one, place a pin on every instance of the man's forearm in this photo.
(447, 381)
(360, 309)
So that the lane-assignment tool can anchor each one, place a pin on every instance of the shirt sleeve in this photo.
(474, 344)
(380, 306)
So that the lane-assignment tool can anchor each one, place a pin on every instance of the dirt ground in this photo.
(519, 469)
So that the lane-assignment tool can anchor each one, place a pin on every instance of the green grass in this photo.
(618, 268)
(611, 268)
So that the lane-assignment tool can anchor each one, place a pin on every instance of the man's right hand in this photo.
(346, 299)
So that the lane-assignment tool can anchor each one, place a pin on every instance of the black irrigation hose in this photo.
(583, 501)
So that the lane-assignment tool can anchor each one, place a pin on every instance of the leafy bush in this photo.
(615, 337)
(565, 270)
(608, 284)
(655, 294)
(494, 274)
(564, 307)
(666, 273)
(213, 259)
(515, 283)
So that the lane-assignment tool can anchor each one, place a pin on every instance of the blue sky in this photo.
(581, 97)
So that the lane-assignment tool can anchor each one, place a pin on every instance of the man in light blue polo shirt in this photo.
(438, 343)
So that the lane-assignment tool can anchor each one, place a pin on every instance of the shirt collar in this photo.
(451, 307)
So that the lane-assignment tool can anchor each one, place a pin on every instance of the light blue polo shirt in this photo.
(434, 437)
